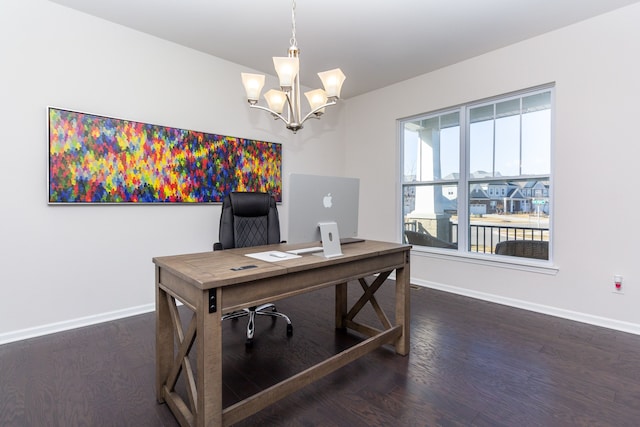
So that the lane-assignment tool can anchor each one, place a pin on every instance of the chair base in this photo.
(263, 310)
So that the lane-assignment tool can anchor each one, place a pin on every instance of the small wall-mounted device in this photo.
(617, 282)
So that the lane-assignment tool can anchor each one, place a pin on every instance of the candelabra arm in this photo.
(328, 104)
(276, 115)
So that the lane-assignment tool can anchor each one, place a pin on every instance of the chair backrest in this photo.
(524, 248)
(248, 219)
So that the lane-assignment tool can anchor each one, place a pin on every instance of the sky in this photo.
(514, 156)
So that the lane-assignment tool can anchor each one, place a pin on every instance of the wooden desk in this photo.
(205, 283)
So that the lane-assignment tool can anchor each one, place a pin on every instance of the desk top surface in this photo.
(219, 268)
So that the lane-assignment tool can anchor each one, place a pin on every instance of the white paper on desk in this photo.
(272, 256)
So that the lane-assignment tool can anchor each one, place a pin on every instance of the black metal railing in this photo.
(484, 238)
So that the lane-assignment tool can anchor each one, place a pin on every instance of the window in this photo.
(479, 175)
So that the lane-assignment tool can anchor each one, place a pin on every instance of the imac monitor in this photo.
(315, 199)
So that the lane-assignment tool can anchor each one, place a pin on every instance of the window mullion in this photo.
(520, 142)
(493, 143)
(463, 183)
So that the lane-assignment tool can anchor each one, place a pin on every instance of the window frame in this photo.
(464, 180)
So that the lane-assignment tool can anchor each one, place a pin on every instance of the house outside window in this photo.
(479, 175)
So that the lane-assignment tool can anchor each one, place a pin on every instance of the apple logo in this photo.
(326, 201)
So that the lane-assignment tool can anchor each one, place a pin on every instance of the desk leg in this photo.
(164, 339)
(341, 305)
(403, 308)
(209, 360)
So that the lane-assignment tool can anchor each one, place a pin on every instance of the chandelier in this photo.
(289, 94)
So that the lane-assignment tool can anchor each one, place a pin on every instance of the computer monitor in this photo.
(314, 199)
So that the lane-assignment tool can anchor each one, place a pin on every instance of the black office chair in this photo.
(250, 219)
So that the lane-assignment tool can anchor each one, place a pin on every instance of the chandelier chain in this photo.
(293, 41)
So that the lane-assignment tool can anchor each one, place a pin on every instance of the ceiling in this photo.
(375, 43)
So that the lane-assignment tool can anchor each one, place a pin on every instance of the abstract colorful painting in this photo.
(96, 159)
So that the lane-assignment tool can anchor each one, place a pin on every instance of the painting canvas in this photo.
(96, 159)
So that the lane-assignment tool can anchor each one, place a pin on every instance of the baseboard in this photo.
(604, 322)
(632, 328)
(66, 325)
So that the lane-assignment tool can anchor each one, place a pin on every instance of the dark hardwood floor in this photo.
(472, 363)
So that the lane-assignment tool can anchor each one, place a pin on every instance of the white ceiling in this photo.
(375, 42)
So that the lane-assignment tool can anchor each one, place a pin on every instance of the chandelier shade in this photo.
(287, 69)
(253, 84)
(276, 100)
(332, 81)
(288, 97)
(317, 99)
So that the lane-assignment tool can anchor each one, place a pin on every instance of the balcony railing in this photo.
(484, 238)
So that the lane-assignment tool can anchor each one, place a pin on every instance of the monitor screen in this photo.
(314, 199)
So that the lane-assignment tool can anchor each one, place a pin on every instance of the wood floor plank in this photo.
(472, 363)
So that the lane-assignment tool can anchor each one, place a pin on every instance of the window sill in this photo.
(498, 261)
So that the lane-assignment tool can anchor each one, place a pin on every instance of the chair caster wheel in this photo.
(248, 343)
(289, 330)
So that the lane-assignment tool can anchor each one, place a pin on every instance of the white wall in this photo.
(595, 67)
(64, 266)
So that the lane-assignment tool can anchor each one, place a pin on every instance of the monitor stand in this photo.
(330, 239)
